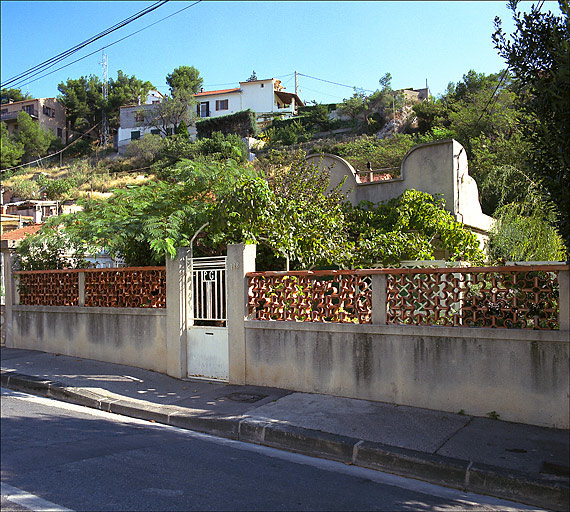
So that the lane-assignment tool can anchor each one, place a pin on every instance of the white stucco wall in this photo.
(437, 168)
(234, 103)
(257, 98)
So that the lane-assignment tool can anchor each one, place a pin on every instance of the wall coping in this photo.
(412, 330)
(91, 310)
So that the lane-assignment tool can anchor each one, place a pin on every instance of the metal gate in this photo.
(208, 356)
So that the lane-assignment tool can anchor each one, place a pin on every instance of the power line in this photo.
(334, 83)
(35, 70)
(111, 44)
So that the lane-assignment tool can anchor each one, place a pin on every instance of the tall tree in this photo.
(32, 137)
(125, 90)
(538, 56)
(13, 95)
(11, 151)
(83, 100)
(185, 78)
(167, 115)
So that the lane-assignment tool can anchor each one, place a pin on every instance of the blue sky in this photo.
(351, 43)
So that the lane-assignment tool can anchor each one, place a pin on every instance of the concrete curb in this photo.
(450, 472)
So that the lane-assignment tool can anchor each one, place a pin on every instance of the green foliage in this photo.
(286, 132)
(242, 123)
(538, 56)
(170, 112)
(519, 237)
(14, 95)
(146, 150)
(292, 214)
(373, 109)
(223, 147)
(50, 249)
(185, 78)
(145, 223)
(32, 137)
(11, 151)
(83, 101)
(182, 129)
(410, 226)
(252, 77)
(381, 153)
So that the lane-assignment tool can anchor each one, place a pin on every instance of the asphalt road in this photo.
(58, 456)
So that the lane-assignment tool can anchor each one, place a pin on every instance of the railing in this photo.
(7, 116)
(135, 287)
(500, 297)
(375, 175)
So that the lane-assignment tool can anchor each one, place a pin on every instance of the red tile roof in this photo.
(221, 91)
(20, 234)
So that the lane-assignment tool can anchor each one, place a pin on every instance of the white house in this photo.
(265, 97)
(131, 119)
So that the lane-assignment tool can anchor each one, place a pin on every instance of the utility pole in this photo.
(104, 123)
(295, 82)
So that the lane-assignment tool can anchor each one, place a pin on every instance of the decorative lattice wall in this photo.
(49, 288)
(499, 297)
(143, 287)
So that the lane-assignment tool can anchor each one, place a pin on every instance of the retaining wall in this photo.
(520, 375)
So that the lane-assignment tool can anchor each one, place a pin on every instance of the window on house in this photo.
(60, 133)
(221, 104)
(154, 131)
(28, 109)
(262, 86)
(204, 109)
(136, 135)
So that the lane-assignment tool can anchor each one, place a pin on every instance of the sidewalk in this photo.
(519, 462)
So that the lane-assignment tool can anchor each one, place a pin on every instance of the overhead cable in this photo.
(35, 70)
(110, 44)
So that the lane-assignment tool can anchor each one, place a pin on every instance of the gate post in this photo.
(177, 283)
(240, 261)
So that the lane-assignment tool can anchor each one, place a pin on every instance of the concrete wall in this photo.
(234, 103)
(436, 168)
(135, 337)
(522, 375)
(257, 98)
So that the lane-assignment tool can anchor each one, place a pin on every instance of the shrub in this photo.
(242, 123)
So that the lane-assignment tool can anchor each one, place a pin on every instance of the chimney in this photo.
(201, 89)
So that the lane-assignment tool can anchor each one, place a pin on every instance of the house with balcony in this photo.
(267, 98)
(48, 112)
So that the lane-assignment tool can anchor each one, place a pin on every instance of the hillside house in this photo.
(132, 125)
(267, 98)
(48, 112)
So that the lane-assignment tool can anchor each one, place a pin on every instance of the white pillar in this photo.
(240, 261)
(379, 299)
(177, 283)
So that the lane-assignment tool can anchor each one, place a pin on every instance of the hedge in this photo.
(243, 123)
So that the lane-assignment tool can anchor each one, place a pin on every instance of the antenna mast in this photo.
(104, 122)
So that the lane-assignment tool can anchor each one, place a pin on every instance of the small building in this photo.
(265, 97)
(131, 118)
(48, 112)
(36, 209)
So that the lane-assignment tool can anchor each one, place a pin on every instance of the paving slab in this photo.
(511, 445)
(405, 427)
